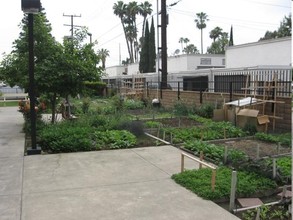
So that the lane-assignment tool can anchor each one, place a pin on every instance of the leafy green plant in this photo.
(215, 152)
(63, 138)
(205, 110)
(180, 109)
(133, 104)
(285, 165)
(114, 139)
(152, 124)
(267, 212)
(199, 182)
(284, 139)
(85, 105)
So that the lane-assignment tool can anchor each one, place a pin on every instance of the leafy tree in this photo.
(144, 10)
(103, 54)
(183, 40)
(127, 14)
(284, 30)
(60, 70)
(216, 33)
(144, 54)
(231, 41)
(218, 46)
(190, 49)
(120, 10)
(201, 24)
(152, 48)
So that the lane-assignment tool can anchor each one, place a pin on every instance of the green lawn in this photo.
(8, 103)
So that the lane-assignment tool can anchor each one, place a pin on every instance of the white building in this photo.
(274, 52)
(175, 64)
(259, 61)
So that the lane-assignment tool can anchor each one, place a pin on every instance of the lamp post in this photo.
(31, 7)
(90, 35)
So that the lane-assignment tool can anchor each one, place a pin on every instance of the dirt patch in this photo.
(250, 147)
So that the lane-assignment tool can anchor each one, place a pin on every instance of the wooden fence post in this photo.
(213, 179)
(226, 154)
(201, 158)
(274, 168)
(182, 163)
(233, 190)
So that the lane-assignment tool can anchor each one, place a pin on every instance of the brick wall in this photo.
(193, 98)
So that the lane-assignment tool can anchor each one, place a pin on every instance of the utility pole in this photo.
(71, 25)
(164, 44)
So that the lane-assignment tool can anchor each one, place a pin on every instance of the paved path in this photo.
(105, 185)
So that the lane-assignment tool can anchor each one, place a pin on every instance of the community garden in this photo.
(262, 161)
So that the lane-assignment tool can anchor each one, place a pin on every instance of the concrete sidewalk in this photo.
(107, 185)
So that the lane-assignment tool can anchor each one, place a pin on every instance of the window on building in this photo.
(205, 61)
(223, 62)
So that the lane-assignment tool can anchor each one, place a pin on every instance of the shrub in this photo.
(180, 109)
(153, 124)
(65, 138)
(133, 104)
(205, 110)
(85, 105)
(114, 139)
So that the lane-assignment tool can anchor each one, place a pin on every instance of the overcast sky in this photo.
(250, 20)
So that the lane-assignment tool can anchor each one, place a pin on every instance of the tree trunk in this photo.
(53, 106)
(201, 42)
(128, 47)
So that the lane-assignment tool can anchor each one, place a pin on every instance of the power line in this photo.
(72, 25)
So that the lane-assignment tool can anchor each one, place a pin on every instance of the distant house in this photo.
(259, 61)
(273, 52)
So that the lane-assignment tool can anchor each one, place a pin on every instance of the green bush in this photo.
(133, 104)
(63, 138)
(94, 88)
(114, 139)
(205, 110)
(153, 124)
(199, 182)
(180, 109)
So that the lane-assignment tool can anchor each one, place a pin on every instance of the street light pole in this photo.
(30, 7)
(90, 34)
(32, 80)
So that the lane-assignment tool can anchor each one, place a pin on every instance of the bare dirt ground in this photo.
(249, 146)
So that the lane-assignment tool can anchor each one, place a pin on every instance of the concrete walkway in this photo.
(103, 185)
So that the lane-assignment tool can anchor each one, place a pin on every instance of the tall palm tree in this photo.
(144, 10)
(181, 41)
(120, 10)
(190, 49)
(201, 24)
(186, 41)
(103, 53)
(216, 33)
(133, 10)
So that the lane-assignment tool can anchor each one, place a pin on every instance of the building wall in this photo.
(192, 98)
(115, 71)
(175, 64)
(268, 52)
